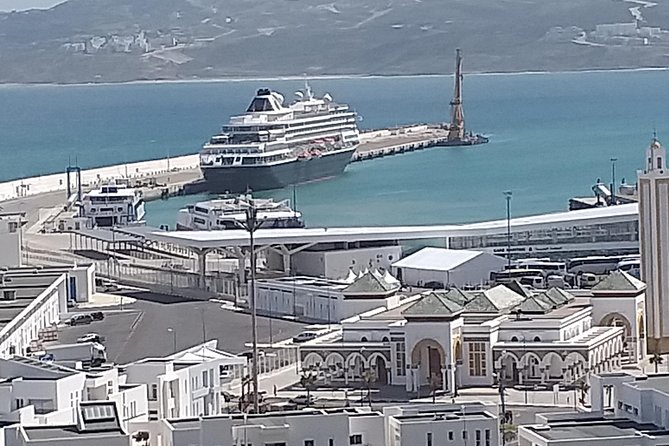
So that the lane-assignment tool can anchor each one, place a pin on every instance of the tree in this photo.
(584, 387)
(369, 377)
(656, 360)
(308, 381)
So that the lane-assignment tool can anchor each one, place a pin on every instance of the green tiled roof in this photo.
(370, 283)
(433, 304)
(619, 281)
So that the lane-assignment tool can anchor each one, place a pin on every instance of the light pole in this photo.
(251, 225)
(613, 181)
(464, 425)
(507, 196)
(174, 338)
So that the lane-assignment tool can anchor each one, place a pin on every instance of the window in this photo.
(537, 339)
(331, 442)
(154, 392)
(204, 378)
(428, 440)
(478, 437)
(308, 442)
(400, 359)
(477, 359)
(450, 435)
(355, 439)
(487, 437)
(464, 435)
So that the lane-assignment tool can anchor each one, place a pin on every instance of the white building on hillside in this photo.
(447, 268)
(452, 339)
(187, 383)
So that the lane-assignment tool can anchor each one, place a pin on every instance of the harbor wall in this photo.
(90, 177)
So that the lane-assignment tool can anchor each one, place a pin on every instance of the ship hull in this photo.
(238, 179)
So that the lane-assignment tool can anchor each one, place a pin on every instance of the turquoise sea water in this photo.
(552, 136)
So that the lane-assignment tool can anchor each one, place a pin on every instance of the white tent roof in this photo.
(437, 259)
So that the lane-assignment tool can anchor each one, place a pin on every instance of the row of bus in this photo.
(582, 271)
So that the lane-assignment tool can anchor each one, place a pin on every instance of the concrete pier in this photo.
(380, 143)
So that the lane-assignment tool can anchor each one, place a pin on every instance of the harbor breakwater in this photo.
(162, 167)
(92, 177)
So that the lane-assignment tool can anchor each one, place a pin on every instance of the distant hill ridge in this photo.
(125, 40)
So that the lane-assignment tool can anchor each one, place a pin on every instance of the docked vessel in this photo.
(274, 145)
(228, 213)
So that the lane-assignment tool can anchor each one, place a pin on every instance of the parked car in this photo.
(302, 400)
(304, 336)
(91, 337)
(97, 315)
(81, 319)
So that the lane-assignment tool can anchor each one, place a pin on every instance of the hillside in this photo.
(124, 40)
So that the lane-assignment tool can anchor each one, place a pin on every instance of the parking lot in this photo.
(141, 329)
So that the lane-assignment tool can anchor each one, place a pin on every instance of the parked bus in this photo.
(594, 264)
(510, 275)
(548, 267)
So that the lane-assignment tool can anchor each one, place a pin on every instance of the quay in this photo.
(386, 142)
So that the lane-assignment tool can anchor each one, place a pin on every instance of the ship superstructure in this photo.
(274, 145)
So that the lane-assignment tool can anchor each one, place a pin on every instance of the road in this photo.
(140, 329)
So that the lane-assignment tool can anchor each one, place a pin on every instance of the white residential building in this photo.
(590, 429)
(96, 424)
(37, 392)
(11, 238)
(654, 240)
(412, 425)
(447, 268)
(187, 383)
(32, 300)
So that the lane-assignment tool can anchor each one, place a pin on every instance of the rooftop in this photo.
(567, 219)
(600, 429)
(438, 259)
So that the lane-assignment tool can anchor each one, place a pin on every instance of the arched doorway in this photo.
(380, 370)
(429, 356)
(509, 369)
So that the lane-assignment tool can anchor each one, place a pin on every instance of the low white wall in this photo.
(55, 182)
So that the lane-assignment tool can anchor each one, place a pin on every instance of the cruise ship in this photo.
(274, 145)
(228, 213)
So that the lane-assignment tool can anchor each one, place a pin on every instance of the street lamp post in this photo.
(251, 225)
(174, 338)
(613, 181)
(507, 196)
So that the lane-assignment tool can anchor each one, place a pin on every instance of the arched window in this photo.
(514, 339)
(537, 339)
(363, 339)
(385, 339)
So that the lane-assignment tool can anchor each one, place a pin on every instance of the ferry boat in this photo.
(274, 145)
(112, 205)
(228, 213)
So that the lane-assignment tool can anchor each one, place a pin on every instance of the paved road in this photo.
(140, 330)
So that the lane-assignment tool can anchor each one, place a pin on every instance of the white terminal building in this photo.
(460, 338)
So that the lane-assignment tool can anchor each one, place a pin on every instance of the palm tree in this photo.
(656, 360)
(369, 377)
(583, 387)
(308, 380)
